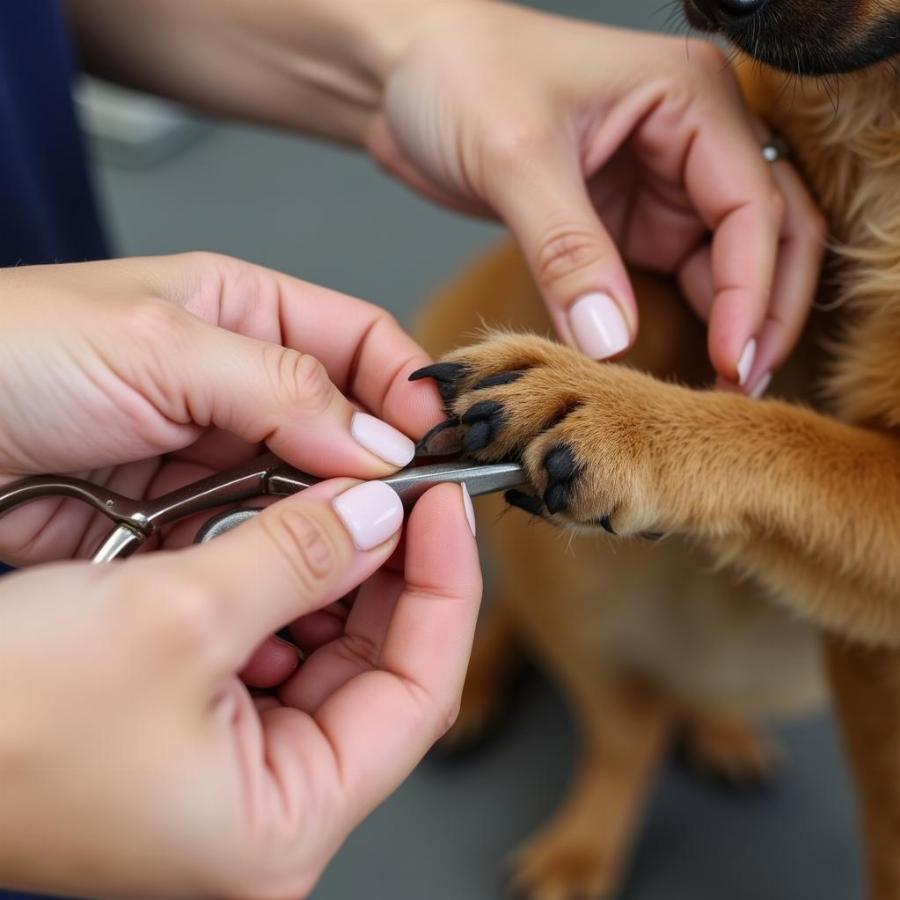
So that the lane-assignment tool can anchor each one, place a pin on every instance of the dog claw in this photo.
(445, 439)
(521, 500)
(606, 525)
(449, 373)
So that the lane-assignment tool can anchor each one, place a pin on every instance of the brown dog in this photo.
(653, 641)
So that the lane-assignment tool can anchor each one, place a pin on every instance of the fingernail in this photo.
(382, 439)
(467, 506)
(761, 386)
(598, 326)
(372, 513)
(745, 363)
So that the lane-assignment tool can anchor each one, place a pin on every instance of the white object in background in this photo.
(128, 128)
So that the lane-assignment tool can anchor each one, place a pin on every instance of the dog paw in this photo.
(732, 750)
(588, 434)
(557, 866)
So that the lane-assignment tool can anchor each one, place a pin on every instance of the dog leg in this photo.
(495, 658)
(583, 850)
(809, 504)
(866, 686)
(729, 747)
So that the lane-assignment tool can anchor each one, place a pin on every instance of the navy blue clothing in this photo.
(47, 208)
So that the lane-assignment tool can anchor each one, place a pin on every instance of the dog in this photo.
(770, 508)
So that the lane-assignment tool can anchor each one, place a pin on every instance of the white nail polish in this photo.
(467, 506)
(382, 439)
(598, 326)
(372, 512)
(745, 363)
(761, 386)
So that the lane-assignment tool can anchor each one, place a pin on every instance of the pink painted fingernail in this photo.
(467, 506)
(745, 363)
(372, 513)
(382, 439)
(761, 386)
(598, 326)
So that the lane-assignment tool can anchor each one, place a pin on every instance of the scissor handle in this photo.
(37, 487)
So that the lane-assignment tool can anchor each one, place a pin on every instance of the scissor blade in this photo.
(479, 478)
(410, 483)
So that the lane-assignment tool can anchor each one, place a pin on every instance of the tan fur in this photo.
(806, 502)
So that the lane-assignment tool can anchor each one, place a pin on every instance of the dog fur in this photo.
(652, 642)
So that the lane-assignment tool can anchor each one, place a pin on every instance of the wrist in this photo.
(358, 45)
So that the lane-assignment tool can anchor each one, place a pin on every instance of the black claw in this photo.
(524, 501)
(556, 497)
(606, 525)
(498, 380)
(479, 435)
(560, 464)
(448, 373)
(652, 535)
(445, 439)
(480, 412)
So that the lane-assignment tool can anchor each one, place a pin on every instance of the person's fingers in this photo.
(271, 664)
(410, 698)
(318, 628)
(355, 650)
(538, 188)
(297, 556)
(366, 353)
(744, 249)
(717, 158)
(796, 278)
(263, 392)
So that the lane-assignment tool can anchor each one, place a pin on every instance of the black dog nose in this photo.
(739, 8)
(723, 12)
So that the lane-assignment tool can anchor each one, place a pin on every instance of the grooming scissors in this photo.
(139, 520)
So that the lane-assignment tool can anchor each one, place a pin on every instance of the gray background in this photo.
(327, 215)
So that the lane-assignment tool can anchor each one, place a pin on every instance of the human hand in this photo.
(597, 144)
(134, 762)
(148, 374)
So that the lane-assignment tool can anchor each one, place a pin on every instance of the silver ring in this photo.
(774, 150)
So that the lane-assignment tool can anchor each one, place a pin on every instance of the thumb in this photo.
(543, 199)
(264, 392)
(294, 558)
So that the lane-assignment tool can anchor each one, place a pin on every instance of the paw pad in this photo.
(562, 470)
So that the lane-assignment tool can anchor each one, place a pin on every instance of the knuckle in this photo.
(515, 148)
(204, 258)
(186, 612)
(313, 552)
(156, 321)
(301, 377)
(565, 252)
